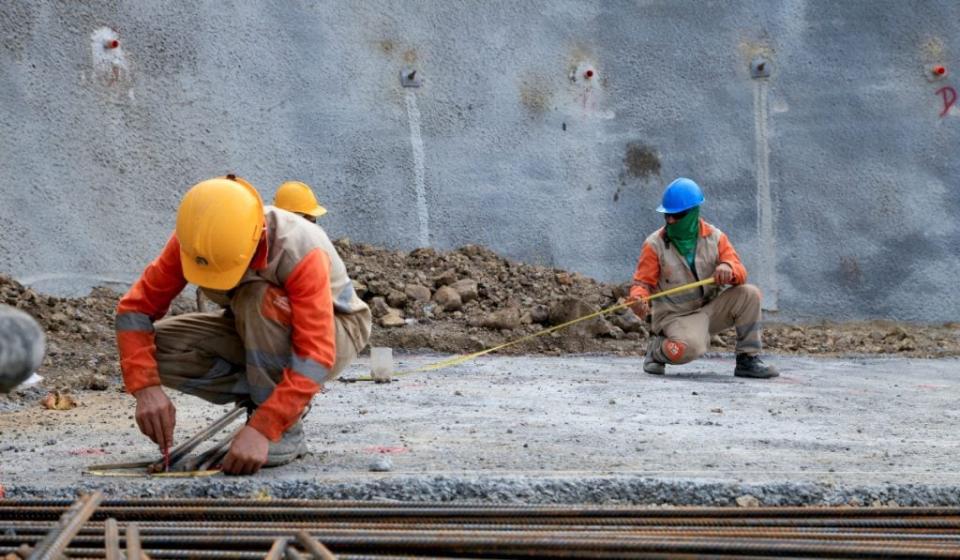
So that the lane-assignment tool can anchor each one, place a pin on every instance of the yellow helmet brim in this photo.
(215, 280)
(317, 211)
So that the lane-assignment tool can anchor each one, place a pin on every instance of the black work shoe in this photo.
(652, 364)
(752, 366)
(291, 447)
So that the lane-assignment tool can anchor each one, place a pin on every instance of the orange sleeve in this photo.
(313, 346)
(146, 301)
(647, 275)
(728, 255)
(285, 405)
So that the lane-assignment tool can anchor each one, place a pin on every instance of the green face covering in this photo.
(684, 233)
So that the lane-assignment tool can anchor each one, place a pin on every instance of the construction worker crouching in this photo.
(291, 321)
(688, 249)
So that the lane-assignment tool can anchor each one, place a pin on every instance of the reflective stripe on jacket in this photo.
(661, 267)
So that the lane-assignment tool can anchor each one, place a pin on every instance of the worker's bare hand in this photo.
(723, 274)
(248, 452)
(640, 308)
(156, 416)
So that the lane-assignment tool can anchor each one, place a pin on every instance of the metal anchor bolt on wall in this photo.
(760, 68)
(409, 77)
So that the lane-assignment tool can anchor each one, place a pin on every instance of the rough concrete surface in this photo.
(835, 176)
(585, 428)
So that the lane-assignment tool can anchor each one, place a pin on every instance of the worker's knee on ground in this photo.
(682, 350)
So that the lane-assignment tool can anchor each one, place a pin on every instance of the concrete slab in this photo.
(580, 428)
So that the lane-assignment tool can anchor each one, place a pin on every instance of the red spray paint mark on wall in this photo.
(949, 98)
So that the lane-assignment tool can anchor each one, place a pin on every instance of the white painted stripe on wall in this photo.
(765, 227)
(416, 142)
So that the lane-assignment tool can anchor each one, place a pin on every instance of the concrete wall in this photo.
(836, 177)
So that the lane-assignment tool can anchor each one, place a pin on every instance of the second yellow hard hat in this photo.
(295, 196)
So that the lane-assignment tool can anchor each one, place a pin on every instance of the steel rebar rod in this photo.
(181, 451)
(582, 510)
(54, 543)
(211, 456)
(134, 550)
(293, 554)
(173, 527)
(168, 529)
(442, 544)
(278, 551)
(314, 547)
(251, 515)
(445, 512)
(553, 543)
(248, 529)
(23, 551)
(111, 538)
(178, 452)
(171, 553)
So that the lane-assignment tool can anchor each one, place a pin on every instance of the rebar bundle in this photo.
(280, 529)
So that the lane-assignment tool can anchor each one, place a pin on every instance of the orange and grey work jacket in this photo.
(662, 267)
(296, 256)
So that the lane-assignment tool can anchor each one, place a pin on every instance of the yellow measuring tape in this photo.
(97, 470)
(133, 474)
(467, 357)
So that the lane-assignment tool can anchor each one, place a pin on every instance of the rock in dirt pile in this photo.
(460, 301)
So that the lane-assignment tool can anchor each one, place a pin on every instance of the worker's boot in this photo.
(752, 366)
(292, 446)
(654, 362)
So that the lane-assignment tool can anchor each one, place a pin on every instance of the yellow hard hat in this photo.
(219, 225)
(294, 196)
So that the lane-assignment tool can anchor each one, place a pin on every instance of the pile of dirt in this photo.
(414, 297)
(469, 298)
(81, 344)
(455, 302)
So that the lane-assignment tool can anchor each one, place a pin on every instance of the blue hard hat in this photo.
(682, 194)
